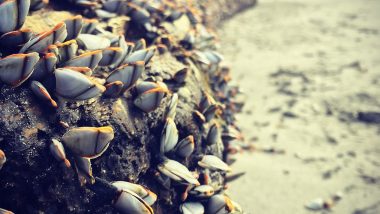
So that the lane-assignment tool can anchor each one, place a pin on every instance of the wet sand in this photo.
(310, 71)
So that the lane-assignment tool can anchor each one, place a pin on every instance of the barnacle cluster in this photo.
(104, 87)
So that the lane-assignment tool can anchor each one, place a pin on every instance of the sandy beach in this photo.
(310, 71)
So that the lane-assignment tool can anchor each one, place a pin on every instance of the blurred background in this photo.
(310, 70)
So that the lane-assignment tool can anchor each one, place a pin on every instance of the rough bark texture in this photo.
(32, 181)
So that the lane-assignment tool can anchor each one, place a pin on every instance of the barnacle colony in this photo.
(111, 100)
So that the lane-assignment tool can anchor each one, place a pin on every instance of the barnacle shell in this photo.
(84, 170)
(202, 191)
(139, 45)
(89, 25)
(66, 50)
(129, 202)
(169, 136)
(177, 172)
(42, 41)
(206, 101)
(172, 108)
(127, 74)
(89, 59)
(116, 6)
(57, 150)
(181, 75)
(4, 211)
(13, 14)
(213, 135)
(209, 113)
(113, 89)
(15, 38)
(76, 86)
(219, 204)
(199, 117)
(213, 163)
(17, 68)
(148, 196)
(3, 159)
(150, 99)
(83, 70)
(316, 204)
(40, 91)
(110, 56)
(139, 15)
(141, 55)
(89, 142)
(44, 67)
(185, 147)
(93, 42)
(127, 48)
(74, 27)
(192, 208)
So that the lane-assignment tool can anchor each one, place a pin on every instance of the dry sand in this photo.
(307, 68)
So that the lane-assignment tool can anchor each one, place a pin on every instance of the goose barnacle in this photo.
(76, 86)
(15, 38)
(185, 147)
(169, 136)
(146, 86)
(84, 170)
(58, 151)
(89, 59)
(111, 55)
(163, 180)
(172, 107)
(219, 204)
(127, 50)
(42, 93)
(148, 100)
(139, 15)
(66, 51)
(199, 117)
(44, 67)
(88, 142)
(206, 101)
(89, 25)
(13, 14)
(74, 27)
(37, 4)
(116, 6)
(192, 208)
(83, 70)
(103, 14)
(93, 42)
(4, 211)
(213, 163)
(3, 159)
(148, 196)
(127, 74)
(17, 68)
(177, 172)
(213, 135)
(141, 55)
(129, 202)
(202, 191)
(181, 75)
(140, 45)
(113, 89)
(43, 40)
(209, 113)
